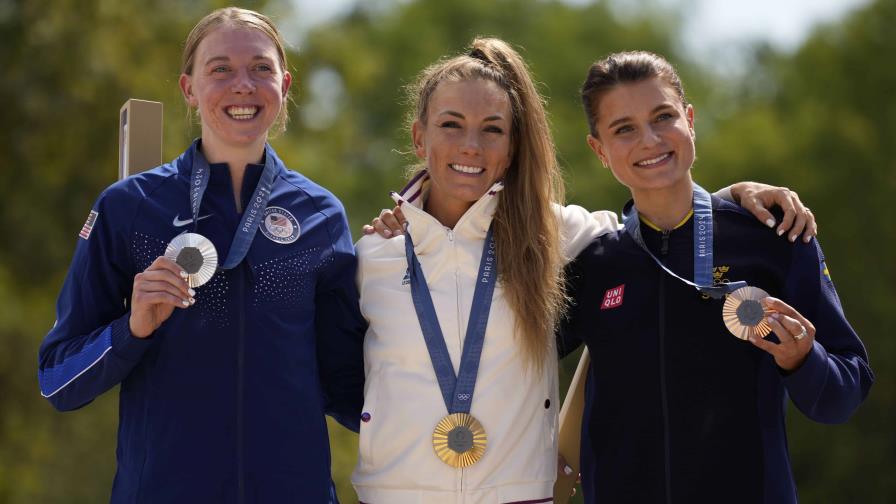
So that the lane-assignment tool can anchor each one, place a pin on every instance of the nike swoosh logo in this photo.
(180, 223)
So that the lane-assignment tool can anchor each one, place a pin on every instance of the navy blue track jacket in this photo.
(678, 410)
(224, 402)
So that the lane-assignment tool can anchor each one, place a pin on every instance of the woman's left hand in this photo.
(390, 223)
(758, 198)
(795, 333)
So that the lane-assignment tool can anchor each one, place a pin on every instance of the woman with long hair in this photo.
(461, 391)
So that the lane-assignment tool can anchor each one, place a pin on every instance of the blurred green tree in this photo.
(815, 120)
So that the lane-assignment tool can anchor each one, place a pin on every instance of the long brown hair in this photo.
(243, 18)
(526, 229)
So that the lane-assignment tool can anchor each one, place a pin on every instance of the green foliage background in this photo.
(819, 119)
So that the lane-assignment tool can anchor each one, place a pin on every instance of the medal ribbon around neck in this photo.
(703, 281)
(252, 215)
(459, 439)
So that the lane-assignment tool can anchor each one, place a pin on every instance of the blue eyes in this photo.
(665, 116)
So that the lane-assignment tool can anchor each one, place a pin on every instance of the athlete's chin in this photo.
(469, 194)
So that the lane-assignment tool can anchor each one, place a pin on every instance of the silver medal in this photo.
(197, 256)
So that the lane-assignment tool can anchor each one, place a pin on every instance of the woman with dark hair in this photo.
(678, 410)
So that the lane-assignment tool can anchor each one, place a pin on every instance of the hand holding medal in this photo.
(191, 259)
(157, 291)
(196, 255)
(795, 333)
(749, 312)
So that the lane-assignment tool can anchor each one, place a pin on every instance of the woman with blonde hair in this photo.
(461, 391)
(218, 290)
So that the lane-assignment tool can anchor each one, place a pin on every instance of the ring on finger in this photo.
(802, 334)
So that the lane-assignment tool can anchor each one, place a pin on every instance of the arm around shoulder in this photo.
(578, 227)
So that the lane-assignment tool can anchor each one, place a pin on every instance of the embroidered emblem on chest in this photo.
(612, 298)
(280, 226)
(718, 277)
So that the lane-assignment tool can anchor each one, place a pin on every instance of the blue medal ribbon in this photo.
(702, 246)
(457, 391)
(252, 215)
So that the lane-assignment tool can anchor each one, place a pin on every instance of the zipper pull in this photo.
(664, 249)
(451, 235)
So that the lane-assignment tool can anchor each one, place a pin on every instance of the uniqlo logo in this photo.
(612, 298)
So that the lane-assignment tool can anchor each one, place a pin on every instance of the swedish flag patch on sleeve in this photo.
(825, 272)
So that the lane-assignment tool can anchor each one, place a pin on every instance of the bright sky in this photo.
(715, 31)
(713, 25)
(731, 23)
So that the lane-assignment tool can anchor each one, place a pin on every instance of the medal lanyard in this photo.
(702, 246)
(199, 176)
(457, 391)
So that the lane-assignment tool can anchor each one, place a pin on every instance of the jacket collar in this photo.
(426, 230)
(220, 172)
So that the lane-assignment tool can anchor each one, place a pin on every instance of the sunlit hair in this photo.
(526, 229)
(240, 18)
(624, 68)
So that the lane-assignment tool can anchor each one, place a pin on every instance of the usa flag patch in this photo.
(88, 226)
(612, 298)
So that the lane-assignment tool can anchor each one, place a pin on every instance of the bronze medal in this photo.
(744, 314)
(459, 440)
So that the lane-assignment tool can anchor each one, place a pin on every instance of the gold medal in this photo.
(459, 440)
(196, 254)
(744, 314)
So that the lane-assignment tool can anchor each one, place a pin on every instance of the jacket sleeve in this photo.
(578, 227)
(340, 330)
(568, 330)
(90, 348)
(836, 377)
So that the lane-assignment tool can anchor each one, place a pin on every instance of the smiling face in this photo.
(238, 86)
(465, 143)
(645, 136)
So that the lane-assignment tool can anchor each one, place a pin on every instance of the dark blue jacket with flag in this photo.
(225, 402)
(677, 409)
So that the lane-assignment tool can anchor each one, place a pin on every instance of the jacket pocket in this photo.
(369, 420)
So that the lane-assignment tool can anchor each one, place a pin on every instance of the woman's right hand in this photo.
(158, 290)
(390, 223)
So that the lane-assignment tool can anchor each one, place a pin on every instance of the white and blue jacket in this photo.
(225, 402)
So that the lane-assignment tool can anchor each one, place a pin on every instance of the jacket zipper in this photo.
(240, 358)
(664, 250)
(450, 233)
